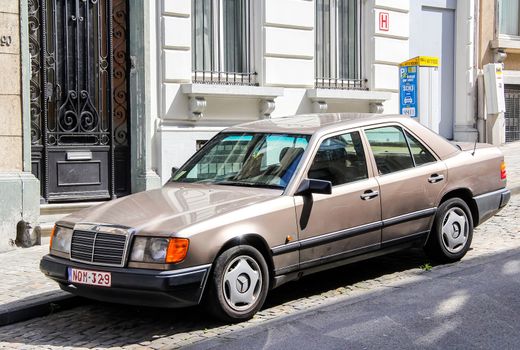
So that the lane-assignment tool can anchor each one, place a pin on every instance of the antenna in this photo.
(475, 146)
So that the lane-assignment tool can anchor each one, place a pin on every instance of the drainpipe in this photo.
(481, 113)
(481, 123)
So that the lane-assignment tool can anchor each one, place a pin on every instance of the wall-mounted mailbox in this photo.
(494, 87)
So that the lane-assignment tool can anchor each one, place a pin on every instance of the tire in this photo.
(452, 232)
(238, 285)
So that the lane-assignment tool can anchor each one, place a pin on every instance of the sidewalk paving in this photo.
(25, 292)
(512, 158)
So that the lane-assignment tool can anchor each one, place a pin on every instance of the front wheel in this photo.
(451, 233)
(238, 286)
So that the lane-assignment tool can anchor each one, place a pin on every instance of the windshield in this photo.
(246, 159)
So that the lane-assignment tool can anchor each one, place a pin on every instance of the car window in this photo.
(340, 159)
(390, 149)
(420, 153)
(223, 159)
(246, 159)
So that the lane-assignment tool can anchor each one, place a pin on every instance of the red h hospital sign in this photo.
(384, 21)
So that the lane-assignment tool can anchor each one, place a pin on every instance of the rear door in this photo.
(348, 221)
(410, 179)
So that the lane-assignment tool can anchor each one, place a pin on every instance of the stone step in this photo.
(50, 213)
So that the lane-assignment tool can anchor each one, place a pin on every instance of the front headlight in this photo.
(60, 239)
(159, 250)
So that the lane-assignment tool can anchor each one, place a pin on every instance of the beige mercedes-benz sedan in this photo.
(267, 202)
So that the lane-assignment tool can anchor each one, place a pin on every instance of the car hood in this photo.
(173, 207)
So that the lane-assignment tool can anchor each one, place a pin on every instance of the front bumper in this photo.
(174, 288)
(488, 204)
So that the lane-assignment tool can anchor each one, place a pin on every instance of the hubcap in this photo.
(455, 229)
(242, 282)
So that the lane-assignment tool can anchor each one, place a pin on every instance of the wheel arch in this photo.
(467, 196)
(256, 241)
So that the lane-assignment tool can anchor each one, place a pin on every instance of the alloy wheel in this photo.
(242, 282)
(455, 229)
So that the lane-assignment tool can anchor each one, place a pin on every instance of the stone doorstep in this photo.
(50, 213)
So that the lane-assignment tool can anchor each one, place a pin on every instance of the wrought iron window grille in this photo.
(225, 78)
(512, 115)
(338, 45)
(341, 84)
(222, 42)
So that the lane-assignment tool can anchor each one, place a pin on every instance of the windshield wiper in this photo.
(248, 184)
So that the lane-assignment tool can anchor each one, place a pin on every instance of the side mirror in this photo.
(309, 186)
(174, 170)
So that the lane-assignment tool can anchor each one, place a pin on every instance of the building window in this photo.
(338, 38)
(512, 115)
(509, 15)
(222, 42)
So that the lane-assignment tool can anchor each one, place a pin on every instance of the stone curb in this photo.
(36, 306)
(514, 189)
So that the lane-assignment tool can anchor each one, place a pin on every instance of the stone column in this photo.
(142, 95)
(19, 189)
(465, 77)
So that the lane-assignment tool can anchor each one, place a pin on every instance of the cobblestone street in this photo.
(107, 325)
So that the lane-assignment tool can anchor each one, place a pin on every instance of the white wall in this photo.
(288, 49)
(284, 44)
(387, 48)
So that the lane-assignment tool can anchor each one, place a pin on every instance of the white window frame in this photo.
(498, 23)
(332, 65)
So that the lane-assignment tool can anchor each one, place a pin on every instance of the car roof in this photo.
(311, 123)
(323, 123)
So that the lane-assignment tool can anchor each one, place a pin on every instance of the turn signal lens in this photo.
(52, 236)
(177, 250)
(503, 174)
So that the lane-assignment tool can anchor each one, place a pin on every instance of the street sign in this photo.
(408, 90)
(419, 90)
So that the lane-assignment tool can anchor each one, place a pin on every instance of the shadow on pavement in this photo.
(106, 325)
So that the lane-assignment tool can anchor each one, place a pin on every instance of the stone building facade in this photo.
(499, 42)
(19, 189)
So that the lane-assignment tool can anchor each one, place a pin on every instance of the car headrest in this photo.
(293, 152)
(331, 155)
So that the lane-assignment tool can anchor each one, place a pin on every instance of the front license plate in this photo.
(93, 278)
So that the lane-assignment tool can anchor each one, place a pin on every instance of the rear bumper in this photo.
(175, 288)
(488, 204)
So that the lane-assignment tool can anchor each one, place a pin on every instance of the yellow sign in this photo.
(423, 61)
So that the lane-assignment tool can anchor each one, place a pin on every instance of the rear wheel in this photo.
(452, 231)
(238, 286)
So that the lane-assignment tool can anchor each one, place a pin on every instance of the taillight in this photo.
(503, 174)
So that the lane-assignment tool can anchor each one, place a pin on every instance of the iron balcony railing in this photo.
(226, 78)
(341, 84)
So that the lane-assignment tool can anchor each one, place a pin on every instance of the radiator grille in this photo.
(98, 247)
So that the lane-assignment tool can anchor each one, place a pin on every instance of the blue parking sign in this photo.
(408, 91)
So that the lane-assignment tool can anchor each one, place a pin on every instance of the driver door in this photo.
(348, 221)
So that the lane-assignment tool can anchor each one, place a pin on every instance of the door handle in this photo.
(434, 178)
(369, 194)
